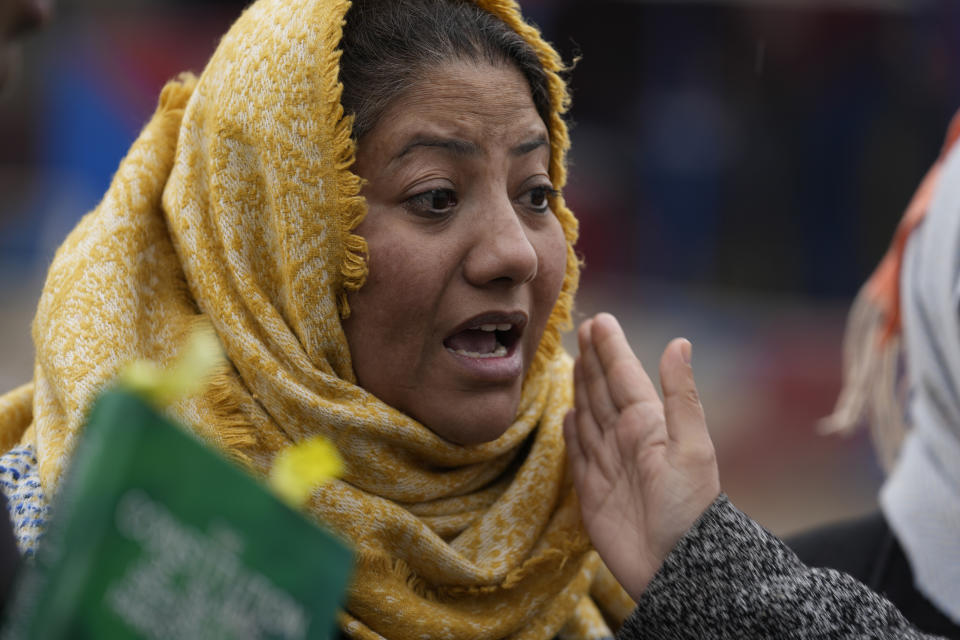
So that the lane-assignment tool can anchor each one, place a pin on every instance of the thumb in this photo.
(686, 424)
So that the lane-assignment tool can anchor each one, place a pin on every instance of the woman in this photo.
(387, 263)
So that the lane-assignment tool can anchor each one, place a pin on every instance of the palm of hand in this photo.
(640, 488)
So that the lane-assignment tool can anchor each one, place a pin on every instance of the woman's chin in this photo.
(475, 426)
(474, 437)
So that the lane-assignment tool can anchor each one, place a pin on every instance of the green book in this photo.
(155, 535)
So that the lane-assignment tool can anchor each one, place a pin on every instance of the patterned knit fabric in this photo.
(20, 482)
(236, 207)
(729, 578)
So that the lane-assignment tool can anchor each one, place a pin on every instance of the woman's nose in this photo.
(502, 251)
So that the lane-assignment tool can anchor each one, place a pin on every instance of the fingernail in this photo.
(686, 350)
(606, 318)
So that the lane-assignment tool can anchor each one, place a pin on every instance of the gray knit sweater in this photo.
(730, 578)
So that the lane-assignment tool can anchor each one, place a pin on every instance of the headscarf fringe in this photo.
(16, 414)
(229, 428)
(553, 559)
(174, 97)
(888, 426)
(871, 361)
(380, 564)
(352, 207)
(234, 433)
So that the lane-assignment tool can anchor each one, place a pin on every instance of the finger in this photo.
(593, 378)
(686, 424)
(627, 382)
(589, 432)
(574, 451)
(570, 434)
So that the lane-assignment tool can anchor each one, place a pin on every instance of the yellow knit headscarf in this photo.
(236, 207)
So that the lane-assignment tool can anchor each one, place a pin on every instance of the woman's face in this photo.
(466, 258)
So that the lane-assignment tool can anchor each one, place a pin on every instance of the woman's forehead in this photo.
(463, 109)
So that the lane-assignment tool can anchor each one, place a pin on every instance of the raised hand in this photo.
(644, 469)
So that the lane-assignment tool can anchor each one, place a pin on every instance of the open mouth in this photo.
(489, 336)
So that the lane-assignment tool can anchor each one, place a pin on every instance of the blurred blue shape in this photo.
(88, 129)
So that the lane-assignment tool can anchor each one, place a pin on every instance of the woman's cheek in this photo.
(554, 259)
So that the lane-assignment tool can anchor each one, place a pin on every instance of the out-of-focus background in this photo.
(738, 167)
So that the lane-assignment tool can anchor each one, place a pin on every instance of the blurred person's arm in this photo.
(649, 488)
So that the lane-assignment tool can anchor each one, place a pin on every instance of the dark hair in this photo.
(388, 44)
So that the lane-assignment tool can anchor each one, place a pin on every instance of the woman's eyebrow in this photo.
(460, 147)
(531, 145)
(453, 145)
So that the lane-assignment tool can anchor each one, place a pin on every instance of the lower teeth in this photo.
(499, 352)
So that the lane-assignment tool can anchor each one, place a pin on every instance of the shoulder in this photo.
(856, 546)
(867, 549)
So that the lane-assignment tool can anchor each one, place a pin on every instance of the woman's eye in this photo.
(537, 198)
(433, 202)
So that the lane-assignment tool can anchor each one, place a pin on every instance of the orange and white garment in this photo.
(236, 206)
